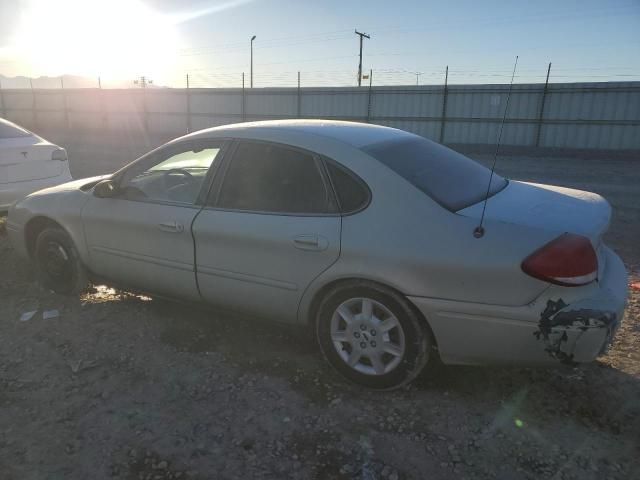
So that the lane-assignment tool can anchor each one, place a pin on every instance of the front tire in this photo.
(372, 336)
(59, 267)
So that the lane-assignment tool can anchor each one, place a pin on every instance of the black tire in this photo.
(418, 340)
(65, 274)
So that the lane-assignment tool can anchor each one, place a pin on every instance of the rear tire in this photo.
(59, 267)
(372, 336)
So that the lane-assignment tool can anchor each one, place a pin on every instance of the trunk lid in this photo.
(552, 208)
(548, 207)
(28, 158)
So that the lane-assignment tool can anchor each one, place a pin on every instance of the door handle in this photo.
(310, 242)
(173, 227)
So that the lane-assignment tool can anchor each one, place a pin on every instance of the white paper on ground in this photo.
(26, 316)
(47, 314)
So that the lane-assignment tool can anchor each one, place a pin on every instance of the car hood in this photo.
(548, 207)
(81, 184)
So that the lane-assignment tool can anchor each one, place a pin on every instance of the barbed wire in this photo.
(200, 78)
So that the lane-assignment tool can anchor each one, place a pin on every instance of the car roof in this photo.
(352, 133)
(4, 121)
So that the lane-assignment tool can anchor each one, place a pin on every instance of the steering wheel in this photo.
(177, 171)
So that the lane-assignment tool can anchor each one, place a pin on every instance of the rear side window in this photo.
(352, 193)
(8, 130)
(268, 178)
(448, 177)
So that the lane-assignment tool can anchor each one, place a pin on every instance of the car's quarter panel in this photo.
(262, 263)
(142, 244)
(415, 251)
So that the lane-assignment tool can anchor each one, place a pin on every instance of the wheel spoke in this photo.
(376, 363)
(367, 308)
(389, 324)
(392, 349)
(345, 314)
(340, 336)
(354, 357)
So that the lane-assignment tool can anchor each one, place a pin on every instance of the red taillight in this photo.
(568, 260)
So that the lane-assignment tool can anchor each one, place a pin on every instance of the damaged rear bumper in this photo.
(559, 326)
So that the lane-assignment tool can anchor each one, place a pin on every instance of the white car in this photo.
(28, 163)
(367, 235)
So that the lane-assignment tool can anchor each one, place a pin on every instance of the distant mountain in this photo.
(68, 81)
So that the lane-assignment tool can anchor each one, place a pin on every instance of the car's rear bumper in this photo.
(554, 327)
(12, 192)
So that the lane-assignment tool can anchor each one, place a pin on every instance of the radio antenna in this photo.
(478, 232)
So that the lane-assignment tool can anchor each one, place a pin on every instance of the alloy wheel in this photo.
(367, 336)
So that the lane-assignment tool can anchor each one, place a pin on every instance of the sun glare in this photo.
(108, 38)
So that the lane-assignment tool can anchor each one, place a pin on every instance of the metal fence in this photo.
(560, 115)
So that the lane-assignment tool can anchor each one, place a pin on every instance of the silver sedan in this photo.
(368, 235)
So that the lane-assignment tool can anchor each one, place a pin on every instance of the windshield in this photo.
(448, 177)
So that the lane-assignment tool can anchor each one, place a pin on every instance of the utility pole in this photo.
(143, 81)
(362, 36)
(251, 73)
(418, 77)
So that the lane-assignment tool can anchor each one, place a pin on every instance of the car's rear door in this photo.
(268, 230)
(142, 237)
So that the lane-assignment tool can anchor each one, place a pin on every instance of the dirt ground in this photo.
(130, 387)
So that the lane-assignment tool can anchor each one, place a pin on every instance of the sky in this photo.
(412, 41)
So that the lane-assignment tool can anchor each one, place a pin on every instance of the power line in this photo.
(293, 40)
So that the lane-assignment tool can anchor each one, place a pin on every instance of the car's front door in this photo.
(141, 237)
(268, 230)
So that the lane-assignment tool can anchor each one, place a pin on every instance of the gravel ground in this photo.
(125, 386)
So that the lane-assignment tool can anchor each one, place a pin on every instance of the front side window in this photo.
(269, 178)
(173, 176)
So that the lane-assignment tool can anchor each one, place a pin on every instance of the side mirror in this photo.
(105, 189)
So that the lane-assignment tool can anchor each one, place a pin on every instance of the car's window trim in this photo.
(150, 157)
(212, 201)
(327, 161)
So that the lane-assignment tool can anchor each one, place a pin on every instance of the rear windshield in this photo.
(8, 130)
(448, 177)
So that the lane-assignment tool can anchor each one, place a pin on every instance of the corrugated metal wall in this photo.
(576, 115)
